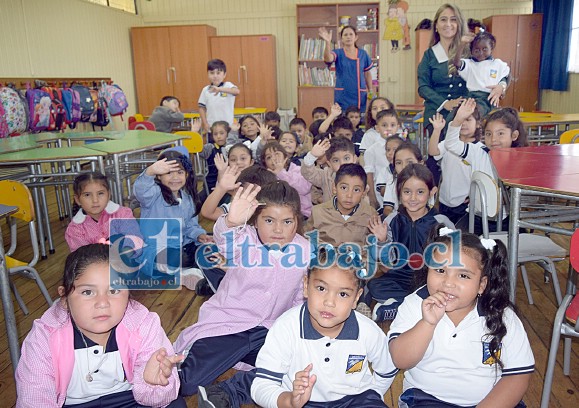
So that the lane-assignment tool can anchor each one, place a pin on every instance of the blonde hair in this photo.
(461, 29)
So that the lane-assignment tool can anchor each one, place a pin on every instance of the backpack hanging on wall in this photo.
(100, 116)
(4, 132)
(85, 100)
(114, 97)
(71, 102)
(15, 112)
(57, 111)
(39, 105)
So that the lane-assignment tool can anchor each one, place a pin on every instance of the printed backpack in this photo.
(57, 110)
(100, 117)
(71, 102)
(87, 107)
(115, 98)
(39, 105)
(4, 132)
(15, 112)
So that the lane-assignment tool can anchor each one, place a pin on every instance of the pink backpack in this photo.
(115, 98)
(15, 114)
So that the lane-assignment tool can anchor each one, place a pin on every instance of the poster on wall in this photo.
(396, 27)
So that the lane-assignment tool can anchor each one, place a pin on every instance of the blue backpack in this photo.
(85, 101)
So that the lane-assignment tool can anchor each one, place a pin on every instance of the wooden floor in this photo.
(179, 309)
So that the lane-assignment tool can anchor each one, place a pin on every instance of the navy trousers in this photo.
(368, 399)
(123, 399)
(393, 284)
(415, 398)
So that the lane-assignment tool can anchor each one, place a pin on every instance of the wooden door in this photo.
(310, 97)
(526, 92)
(504, 28)
(151, 62)
(422, 44)
(228, 49)
(189, 56)
(259, 71)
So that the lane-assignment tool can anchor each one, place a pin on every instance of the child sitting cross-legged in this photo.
(344, 218)
(338, 151)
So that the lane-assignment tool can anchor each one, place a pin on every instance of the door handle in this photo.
(239, 75)
(244, 68)
(168, 77)
(174, 74)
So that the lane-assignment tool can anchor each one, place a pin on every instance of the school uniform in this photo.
(457, 366)
(335, 228)
(53, 367)
(375, 160)
(481, 74)
(357, 139)
(384, 177)
(232, 324)
(351, 87)
(321, 178)
(209, 151)
(84, 230)
(219, 106)
(294, 178)
(341, 364)
(165, 119)
(370, 137)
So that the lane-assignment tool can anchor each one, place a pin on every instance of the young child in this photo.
(461, 329)
(353, 115)
(385, 176)
(167, 116)
(335, 112)
(318, 353)
(166, 189)
(272, 119)
(290, 141)
(298, 126)
(338, 151)
(258, 287)
(409, 227)
(276, 160)
(96, 346)
(371, 135)
(486, 78)
(240, 155)
(346, 216)
(319, 113)
(217, 99)
(219, 131)
(387, 124)
(91, 224)
(501, 129)
(251, 134)
(456, 172)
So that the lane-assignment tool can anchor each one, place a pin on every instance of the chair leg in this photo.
(527, 284)
(19, 298)
(549, 267)
(567, 355)
(41, 286)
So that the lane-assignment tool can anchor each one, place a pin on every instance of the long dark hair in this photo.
(279, 193)
(190, 186)
(510, 117)
(495, 297)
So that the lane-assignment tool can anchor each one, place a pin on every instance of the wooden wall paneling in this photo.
(526, 93)
(421, 45)
(259, 75)
(310, 97)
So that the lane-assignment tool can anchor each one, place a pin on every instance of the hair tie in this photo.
(356, 257)
(489, 244)
(444, 231)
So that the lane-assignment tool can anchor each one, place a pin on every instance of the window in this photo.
(125, 5)
(574, 49)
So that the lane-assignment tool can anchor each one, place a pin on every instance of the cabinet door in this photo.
(259, 71)
(310, 97)
(526, 92)
(189, 53)
(228, 49)
(151, 62)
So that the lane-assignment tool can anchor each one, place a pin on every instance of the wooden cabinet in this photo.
(314, 84)
(251, 65)
(519, 45)
(170, 60)
(422, 44)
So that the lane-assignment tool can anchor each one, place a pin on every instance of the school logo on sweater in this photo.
(494, 73)
(355, 363)
(487, 358)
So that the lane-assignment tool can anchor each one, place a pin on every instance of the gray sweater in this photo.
(165, 119)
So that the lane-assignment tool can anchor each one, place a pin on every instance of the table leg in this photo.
(8, 307)
(514, 239)
(118, 185)
(38, 212)
(45, 215)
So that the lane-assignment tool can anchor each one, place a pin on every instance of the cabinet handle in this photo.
(239, 75)
(244, 68)
(174, 74)
(168, 77)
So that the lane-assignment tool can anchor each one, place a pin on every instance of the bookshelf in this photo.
(315, 79)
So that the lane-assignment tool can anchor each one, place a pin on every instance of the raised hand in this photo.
(162, 167)
(160, 366)
(278, 162)
(220, 163)
(325, 34)
(437, 121)
(228, 180)
(467, 38)
(378, 228)
(266, 133)
(466, 109)
(243, 205)
(303, 385)
(335, 110)
(433, 308)
(235, 126)
(196, 125)
(320, 148)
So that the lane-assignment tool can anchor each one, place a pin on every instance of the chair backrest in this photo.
(132, 119)
(484, 199)
(194, 141)
(142, 125)
(574, 251)
(569, 136)
(17, 194)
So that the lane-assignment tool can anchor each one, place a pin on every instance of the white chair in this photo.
(539, 249)
(563, 327)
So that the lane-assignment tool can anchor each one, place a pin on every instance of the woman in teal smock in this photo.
(353, 78)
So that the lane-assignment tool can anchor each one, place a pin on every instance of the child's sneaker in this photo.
(202, 288)
(572, 312)
(212, 397)
(364, 309)
(190, 277)
(385, 310)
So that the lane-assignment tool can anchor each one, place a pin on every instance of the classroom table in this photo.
(237, 113)
(548, 171)
(8, 306)
(136, 141)
(33, 159)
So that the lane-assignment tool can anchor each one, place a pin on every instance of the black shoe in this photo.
(212, 397)
(202, 288)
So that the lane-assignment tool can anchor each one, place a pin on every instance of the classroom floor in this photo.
(179, 309)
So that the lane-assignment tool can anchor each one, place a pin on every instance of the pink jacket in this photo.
(47, 361)
(294, 177)
(248, 296)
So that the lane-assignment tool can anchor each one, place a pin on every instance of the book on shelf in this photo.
(311, 48)
(371, 50)
(316, 76)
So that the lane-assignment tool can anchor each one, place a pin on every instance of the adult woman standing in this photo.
(353, 78)
(442, 90)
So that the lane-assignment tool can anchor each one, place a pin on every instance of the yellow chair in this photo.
(194, 144)
(569, 136)
(15, 193)
(139, 117)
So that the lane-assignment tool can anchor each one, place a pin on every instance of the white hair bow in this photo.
(445, 231)
(489, 244)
